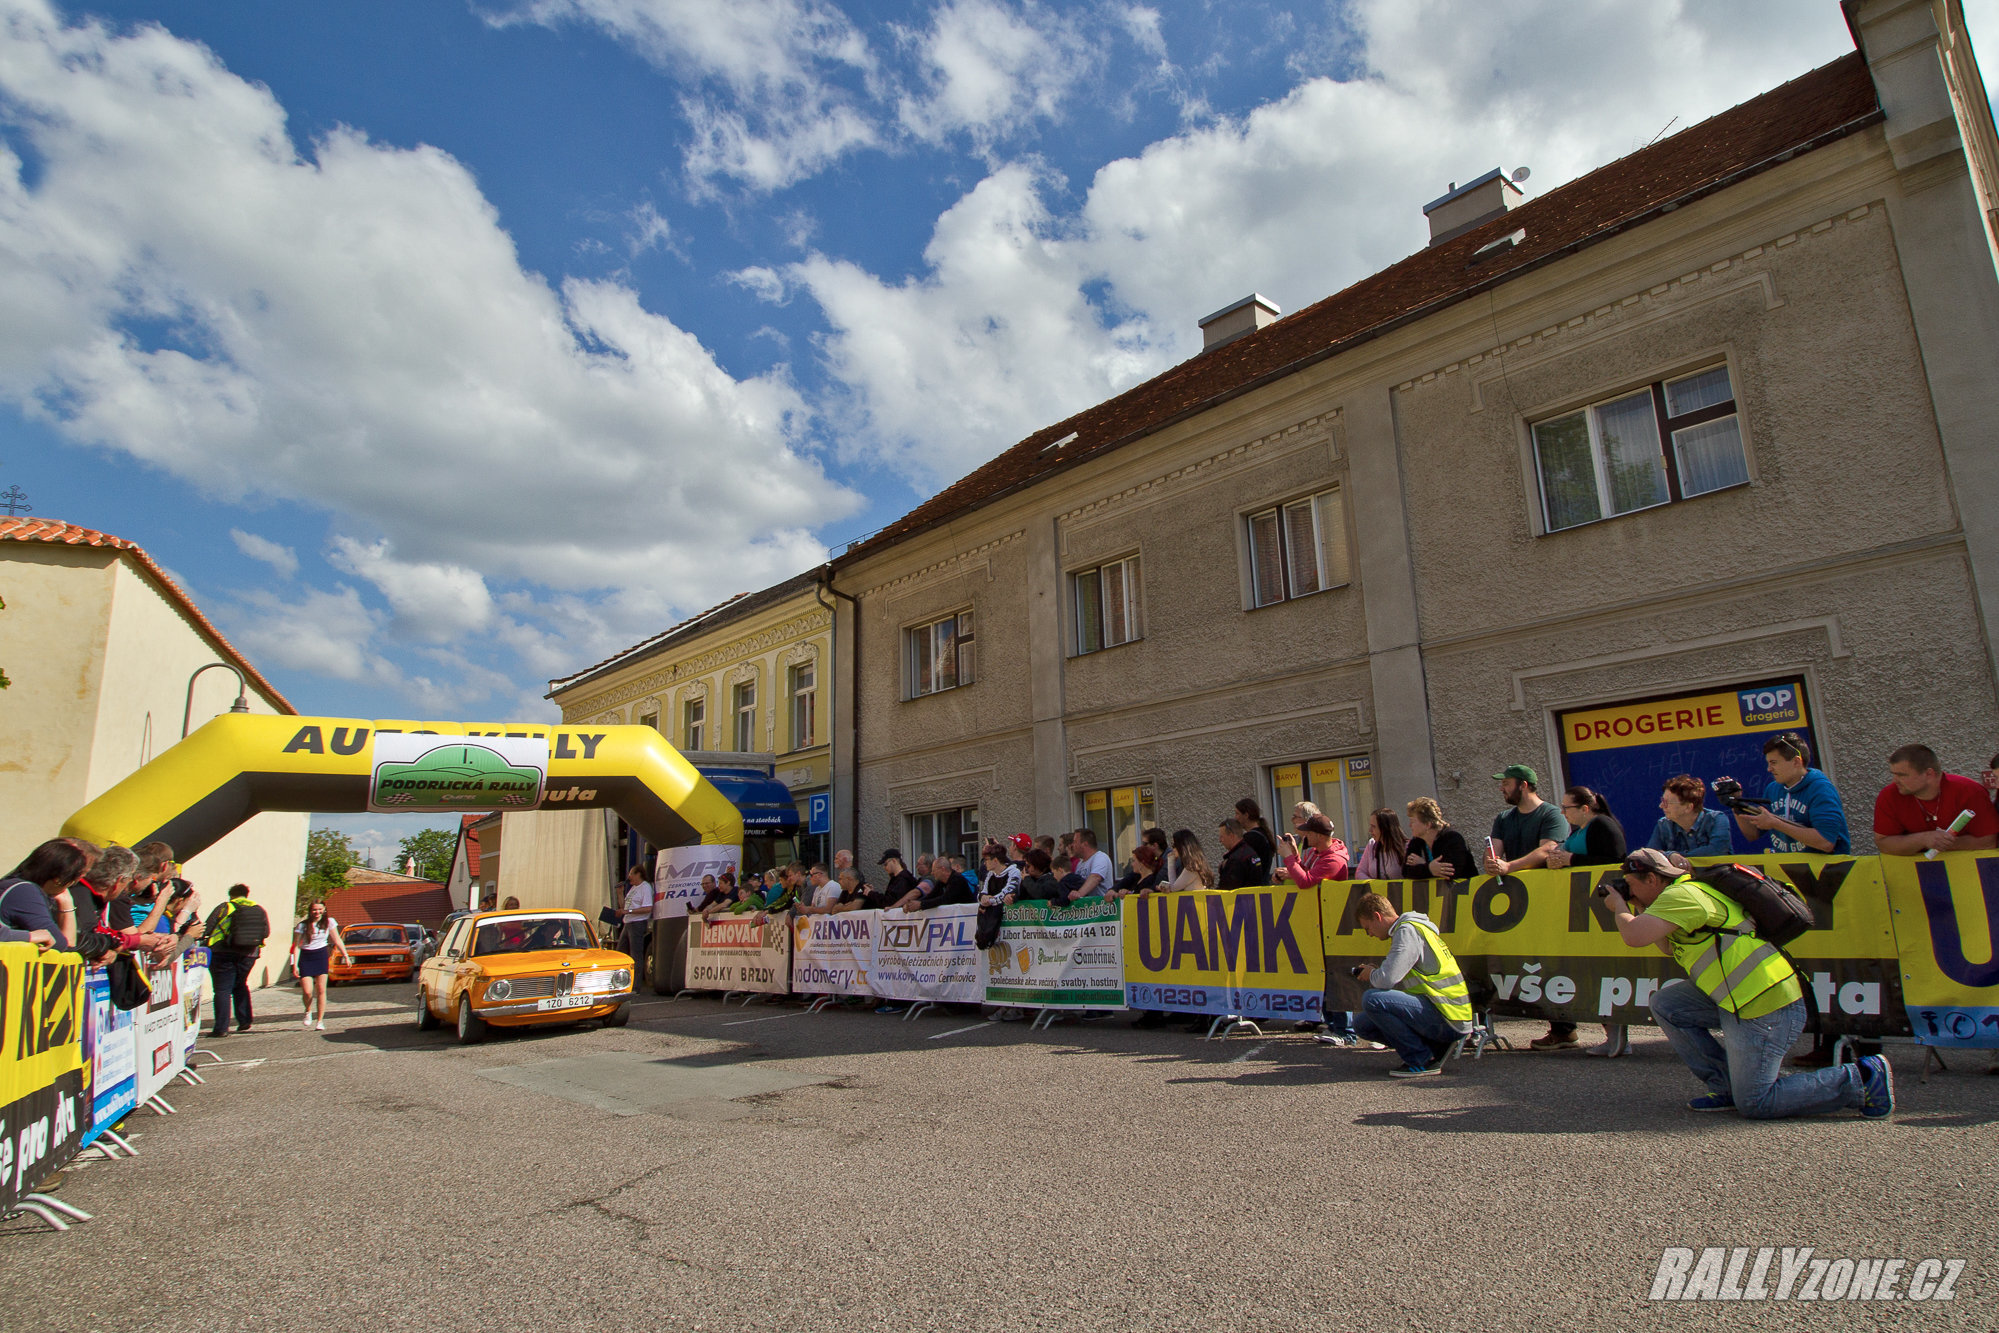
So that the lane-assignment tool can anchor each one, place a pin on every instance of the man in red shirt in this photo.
(1913, 813)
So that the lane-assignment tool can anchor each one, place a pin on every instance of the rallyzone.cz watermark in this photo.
(1797, 1273)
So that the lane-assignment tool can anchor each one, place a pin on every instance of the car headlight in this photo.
(499, 990)
(617, 979)
(621, 978)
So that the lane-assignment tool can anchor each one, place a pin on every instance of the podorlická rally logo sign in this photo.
(422, 772)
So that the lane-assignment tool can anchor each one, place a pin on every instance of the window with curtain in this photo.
(745, 706)
(1107, 599)
(1672, 440)
(694, 723)
(940, 655)
(1299, 548)
(804, 691)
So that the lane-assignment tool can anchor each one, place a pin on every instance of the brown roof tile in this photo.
(18, 529)
(1828, 103)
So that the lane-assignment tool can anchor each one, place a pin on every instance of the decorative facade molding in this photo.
(1304, 432)
(960, 557)
(1672, 287)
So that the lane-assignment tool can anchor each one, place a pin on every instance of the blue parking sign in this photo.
(819, 812)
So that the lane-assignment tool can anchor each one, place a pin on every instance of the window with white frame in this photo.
(743, 701)
(693, 723)
(804, 690)
(940, 655)
(1106, 600)
(1297, 549)
(1671, 440)
(650, 718)
(952, 832)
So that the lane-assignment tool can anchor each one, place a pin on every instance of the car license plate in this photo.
(371, 971)
(566, 1002)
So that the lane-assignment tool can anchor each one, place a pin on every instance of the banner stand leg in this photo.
(25, 1206)
(190, 1076)
(113, 1136)
(1228, 1025)
(44, 1201)
(821, 1002)
(160, 1106)
(920, 1007)
(201, 1050)
(1044, 1018)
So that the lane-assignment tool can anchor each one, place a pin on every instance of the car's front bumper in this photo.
(525, 1008)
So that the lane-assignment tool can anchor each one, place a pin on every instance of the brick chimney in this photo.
(1466, 206)
(1234, 321)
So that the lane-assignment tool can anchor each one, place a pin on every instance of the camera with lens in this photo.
(1729, 792)
(1356, 970)
(1607, 883)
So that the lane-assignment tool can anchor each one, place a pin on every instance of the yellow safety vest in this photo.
(1445, 987)
(1739, 972)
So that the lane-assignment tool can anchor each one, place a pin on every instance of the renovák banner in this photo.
(679, 872)
(1056, 957)
(931, 955)
(1540, 944)
(1252, 952)
(833, 953)
(43, 1092)
(738, 953)
(1947, 926)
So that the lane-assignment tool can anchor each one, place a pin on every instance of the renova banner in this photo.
(930, 955)
(1946, 915)
(740, 953)
(420, 771)
(678, 874)
(1050, 957)
(833, 953)
(1252, 952)
(1540, 944)
(44, 1101)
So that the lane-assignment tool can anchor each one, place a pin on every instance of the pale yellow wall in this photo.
(557, 859)
(103, 691)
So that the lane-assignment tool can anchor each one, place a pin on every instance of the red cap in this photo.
(1021, 842)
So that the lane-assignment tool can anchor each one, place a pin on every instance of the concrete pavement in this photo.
(762, 1168)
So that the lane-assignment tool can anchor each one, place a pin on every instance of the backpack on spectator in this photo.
(128, 982)
(1777, 912)
(249, 927)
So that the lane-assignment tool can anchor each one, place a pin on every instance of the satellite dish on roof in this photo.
(1520, 174)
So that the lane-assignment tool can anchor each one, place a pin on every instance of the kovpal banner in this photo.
(1252, 952)
(112, 1050)
(157, 1029)
(1947, 916)
(1540, 944)
(420, 771)
(833, 953)
(1050, 957)
(931, 955)
(734, 953)
(679, 872)
(44, 1100)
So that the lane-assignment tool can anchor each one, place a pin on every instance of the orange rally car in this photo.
(522, 969)
(380, 950)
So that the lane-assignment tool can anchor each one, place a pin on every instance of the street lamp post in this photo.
(242, 704)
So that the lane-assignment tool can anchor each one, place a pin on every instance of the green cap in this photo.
(1520, 771)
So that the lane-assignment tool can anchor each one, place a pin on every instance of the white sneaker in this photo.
(320, 1025)
(307, 1020)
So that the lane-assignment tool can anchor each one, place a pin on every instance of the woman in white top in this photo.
(316, 937)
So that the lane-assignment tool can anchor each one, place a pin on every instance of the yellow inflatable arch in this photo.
(240, 765)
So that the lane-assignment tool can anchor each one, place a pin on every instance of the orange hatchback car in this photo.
(381, 952)
(522, 969)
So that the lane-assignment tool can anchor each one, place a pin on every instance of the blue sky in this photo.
(441, 348)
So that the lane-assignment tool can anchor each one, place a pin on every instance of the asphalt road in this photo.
(762, 1168)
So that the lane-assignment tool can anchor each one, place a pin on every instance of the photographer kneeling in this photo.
(1417, 1000)
(1740, 986)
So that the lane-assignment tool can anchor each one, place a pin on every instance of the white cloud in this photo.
(766, 104)
(281, 558)
(353, 330)
(1022, 316)
(989, 66)
(326, 633)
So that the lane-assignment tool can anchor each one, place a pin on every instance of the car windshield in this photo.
(374, 935)
(524, 934)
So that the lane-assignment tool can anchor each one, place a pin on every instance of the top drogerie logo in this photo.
(1769, 706)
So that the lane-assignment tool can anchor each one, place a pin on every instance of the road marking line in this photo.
(772, 1019)
(955, 1031)
(1254, 1050)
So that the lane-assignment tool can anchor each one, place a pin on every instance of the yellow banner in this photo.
(41, 1027)
(1541, 943)
(1947, 924)
(1252, 952)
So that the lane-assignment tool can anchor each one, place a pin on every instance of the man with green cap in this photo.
(1525, 832)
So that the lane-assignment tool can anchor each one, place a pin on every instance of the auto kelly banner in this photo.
(1057, 957)
(43, 1083)
(1540, 944)
(833, 953)
(731, 953)
(931, 955)
(1253, 952)
(1947, 925)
